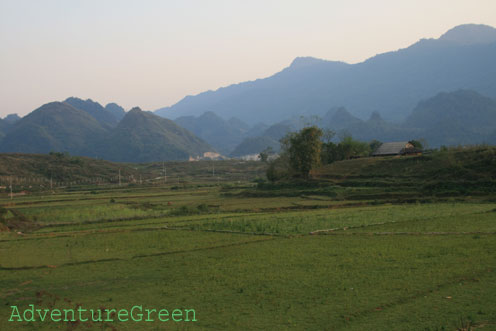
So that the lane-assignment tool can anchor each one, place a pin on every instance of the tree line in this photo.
(312, 147)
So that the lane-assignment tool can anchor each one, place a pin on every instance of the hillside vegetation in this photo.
(60, 167)
(462, 163)
(455, 172)
(33, 172)
(55, 126)
(86, 128)
(143, 137)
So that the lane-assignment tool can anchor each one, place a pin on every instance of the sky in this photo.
(152, 53)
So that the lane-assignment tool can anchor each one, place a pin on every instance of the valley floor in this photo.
(306, 262)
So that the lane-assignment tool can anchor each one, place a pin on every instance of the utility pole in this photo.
(11, 194)
(51, 183)
(164, 169)
(141, 182)
(119, 176)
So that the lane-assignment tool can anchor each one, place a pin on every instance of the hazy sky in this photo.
(153, 53)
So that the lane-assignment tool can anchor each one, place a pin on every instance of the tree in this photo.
(278, 168)
(416, 144)
(374, 145)
(329, 153)
(327, 135)
(304, 150)
(349, 148)
(265, 154)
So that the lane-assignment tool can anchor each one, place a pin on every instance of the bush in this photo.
(278, 170)
(188, 210)
(203, 208)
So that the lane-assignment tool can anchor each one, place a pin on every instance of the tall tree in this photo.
(304, 150)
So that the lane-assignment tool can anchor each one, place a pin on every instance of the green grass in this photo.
(83, 246)
(394, 258)
(304, 222)
(311, 282)
(70, 214)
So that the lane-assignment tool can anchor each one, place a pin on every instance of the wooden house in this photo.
(396, 148)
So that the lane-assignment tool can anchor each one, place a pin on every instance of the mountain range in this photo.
(143, 137)
(84, 127)
(462, 117)
(391, 83)
(439, 90)
(78, 127)
(108, 117)
(224, 135)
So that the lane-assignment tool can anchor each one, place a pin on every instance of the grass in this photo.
(362, 218)
(84, 246)
(243, 257)
(311, 282)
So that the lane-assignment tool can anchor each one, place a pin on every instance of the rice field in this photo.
(242, 262)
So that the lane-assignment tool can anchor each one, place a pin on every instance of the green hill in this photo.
(138, 137)
(455, 171)
(145, 137)
(106, 117)
(60, 167)
(56, 126)
(32, 172)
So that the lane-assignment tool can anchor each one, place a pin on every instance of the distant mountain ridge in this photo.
(462, 117)
(449, 118)
(143, 137)
(55, 126)
(103, 115)
(470, 34)
(11, 118)
(6, 123)
(86, 128)
(221, 134)
(4, 126)
(442, 90)
(391, 83)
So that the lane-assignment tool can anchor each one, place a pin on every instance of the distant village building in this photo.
(256, 157)
(250, 157)
(208, 156)
(396, 148)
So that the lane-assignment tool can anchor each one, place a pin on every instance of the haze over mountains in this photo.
(456, 118)
(440, 90)
(143, 137)
(390, 83)
(108, 116)
(224, 135)
(86, 128)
